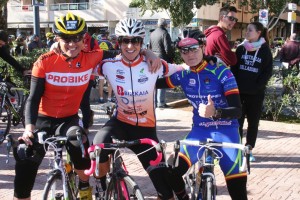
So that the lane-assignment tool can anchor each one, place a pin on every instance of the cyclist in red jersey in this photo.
(59, 80)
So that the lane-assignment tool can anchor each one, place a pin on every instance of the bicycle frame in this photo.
(206, 166)
(118, 178)
(58, 166)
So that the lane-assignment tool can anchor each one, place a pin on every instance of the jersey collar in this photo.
(199, 67)
(134, 63)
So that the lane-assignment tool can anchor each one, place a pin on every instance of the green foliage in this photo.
(25, 61)
(277, 99)
(181, 11)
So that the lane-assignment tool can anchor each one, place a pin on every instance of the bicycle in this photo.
(62, 180)
(120, 185)
(200, 178)
(13, 100)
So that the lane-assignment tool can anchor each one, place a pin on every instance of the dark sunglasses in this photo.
(193, 49)
(231, 18)
(134, 41)
(75, 39)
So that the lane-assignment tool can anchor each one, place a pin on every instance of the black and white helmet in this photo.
(130, 27)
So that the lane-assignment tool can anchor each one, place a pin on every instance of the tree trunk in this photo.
(3, 16)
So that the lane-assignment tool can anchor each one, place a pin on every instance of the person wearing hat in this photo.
(5, 54)
(50, 39)
(213, 92)
(59, 79)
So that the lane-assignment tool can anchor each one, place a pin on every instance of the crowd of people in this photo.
(236, 81)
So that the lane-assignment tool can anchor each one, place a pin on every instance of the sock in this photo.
(83, 185)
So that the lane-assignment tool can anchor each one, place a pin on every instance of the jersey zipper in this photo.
(133, 101)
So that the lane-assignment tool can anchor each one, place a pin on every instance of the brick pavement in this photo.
(275, 175)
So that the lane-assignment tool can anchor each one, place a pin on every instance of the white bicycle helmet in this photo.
(130, 27)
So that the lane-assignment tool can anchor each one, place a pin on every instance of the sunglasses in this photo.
(133, 41)
(193, 49)
(231, 18)
(74, 39)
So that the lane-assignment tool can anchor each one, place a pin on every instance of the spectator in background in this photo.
(105, 45)
(50, 39)
(20, 47)
(161, 45)
(5, 54)
(34, 42)
(114, 41)
(217, 43)
(252, 72)
(290, 53)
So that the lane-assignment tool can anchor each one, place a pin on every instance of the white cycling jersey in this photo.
(134, 88)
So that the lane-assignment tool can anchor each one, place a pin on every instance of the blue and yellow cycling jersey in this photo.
(198, 83)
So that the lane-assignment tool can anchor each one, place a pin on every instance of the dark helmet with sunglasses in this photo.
(69, 25)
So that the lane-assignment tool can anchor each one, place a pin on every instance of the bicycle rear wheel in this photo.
(5, 120)
(125, 189)
(54, 188)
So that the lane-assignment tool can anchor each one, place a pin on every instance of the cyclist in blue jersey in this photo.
(212, 90)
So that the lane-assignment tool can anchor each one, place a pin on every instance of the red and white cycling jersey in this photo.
(134, 87)
(65, 81)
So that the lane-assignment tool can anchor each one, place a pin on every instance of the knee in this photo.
(74, 133)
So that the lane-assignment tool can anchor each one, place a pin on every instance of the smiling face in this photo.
(192, 55)
(71, 46)
(130, 47)
(228, 21)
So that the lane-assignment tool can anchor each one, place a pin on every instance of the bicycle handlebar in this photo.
(94, 151)
(211, 143)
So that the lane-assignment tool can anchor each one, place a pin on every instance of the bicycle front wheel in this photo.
(5, 120)
(124, 189)
(54, 188)
(208, 189)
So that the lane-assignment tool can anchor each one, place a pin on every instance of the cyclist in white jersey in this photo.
(134, 87)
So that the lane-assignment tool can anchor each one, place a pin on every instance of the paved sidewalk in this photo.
(275, 175)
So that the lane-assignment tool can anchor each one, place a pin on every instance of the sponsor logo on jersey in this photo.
(143, 79)
(68, 79)
(192, 82)
(141, 120)
(120, 90)
(120, 76)
(206, 80)
(135, 93)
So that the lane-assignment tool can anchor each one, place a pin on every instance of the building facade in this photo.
(106, 13)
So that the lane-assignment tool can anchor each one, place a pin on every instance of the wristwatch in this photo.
(218, 113)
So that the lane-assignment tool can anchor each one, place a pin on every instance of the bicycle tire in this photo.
(208, 189)
(5, 121)
(53, 188)
(125, 189)
(22, 109)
